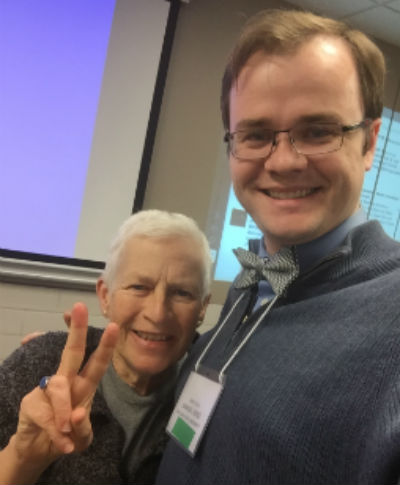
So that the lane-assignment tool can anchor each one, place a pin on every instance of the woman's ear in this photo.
(103, 295)
(203, 310)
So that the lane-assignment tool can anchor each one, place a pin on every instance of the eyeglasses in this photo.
(307, 138)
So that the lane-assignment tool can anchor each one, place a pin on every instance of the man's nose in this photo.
(283, 156)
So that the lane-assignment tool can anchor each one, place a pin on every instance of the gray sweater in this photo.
(101, 462)
(314, 396)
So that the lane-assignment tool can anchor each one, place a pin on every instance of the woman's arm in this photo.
(16, 469)
(56, 420)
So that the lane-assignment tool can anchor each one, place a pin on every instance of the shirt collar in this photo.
(311, 252)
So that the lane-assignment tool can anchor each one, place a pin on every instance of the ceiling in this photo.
(379, 18)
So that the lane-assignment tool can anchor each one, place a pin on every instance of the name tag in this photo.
(193, 410)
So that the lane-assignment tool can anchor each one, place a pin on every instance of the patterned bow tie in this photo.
(279, 270)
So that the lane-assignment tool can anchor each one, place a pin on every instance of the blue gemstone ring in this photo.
(44, 381)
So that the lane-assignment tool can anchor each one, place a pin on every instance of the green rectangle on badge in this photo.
(183, 432)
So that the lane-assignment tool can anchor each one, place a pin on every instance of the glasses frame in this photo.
(229, 137)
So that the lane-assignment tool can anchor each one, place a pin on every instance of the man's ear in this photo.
(370, 143)
(103, 295)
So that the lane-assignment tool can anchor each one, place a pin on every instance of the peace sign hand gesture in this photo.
(56, 420)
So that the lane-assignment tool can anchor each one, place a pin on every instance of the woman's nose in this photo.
(157, 307)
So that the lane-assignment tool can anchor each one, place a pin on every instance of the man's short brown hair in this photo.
(282, 32)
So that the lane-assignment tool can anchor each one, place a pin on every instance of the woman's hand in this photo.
(56, 420)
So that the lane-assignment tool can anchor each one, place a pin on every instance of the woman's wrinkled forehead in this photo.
(178, 250)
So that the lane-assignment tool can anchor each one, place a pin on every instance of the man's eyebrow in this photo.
(247, 124)
(319, 117)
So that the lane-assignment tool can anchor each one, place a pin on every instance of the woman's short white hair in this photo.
(155, 223)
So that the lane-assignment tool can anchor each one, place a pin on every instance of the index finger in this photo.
(74, 350)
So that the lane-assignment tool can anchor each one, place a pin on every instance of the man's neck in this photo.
(312, 251)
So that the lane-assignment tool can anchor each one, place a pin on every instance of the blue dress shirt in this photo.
(310, 252)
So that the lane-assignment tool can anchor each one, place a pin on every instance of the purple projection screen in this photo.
(53, 55)
(76, 89)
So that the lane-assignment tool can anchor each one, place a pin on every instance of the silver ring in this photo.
(44, 381)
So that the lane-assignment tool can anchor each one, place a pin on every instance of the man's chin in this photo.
(278, 239)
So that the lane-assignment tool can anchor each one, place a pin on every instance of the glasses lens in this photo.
(254, 143)
(314, 138)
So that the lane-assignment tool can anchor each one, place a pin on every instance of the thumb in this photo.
(81, 428)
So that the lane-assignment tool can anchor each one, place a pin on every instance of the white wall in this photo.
(24, 309)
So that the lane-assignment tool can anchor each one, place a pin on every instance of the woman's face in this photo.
(157, 300)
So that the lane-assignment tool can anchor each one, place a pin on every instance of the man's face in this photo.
(157, 301)
(296, 198)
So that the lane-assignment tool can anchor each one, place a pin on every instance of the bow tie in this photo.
(279, 270)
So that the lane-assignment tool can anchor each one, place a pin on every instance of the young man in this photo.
(308, 359)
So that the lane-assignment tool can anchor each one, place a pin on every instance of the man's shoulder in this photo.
(374, 247)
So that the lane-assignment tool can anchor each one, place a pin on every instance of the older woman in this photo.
(155, 288)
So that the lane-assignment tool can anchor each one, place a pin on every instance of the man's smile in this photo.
(289, 194)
